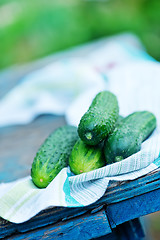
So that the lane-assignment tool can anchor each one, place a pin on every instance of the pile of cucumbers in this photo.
(103, 137)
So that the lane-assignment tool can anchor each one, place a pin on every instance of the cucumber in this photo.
(120, 118)
(128, 136)
(99, 121)
(85, 158)
(53, 155)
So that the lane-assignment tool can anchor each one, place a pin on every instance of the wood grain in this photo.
(122, 202)
(86, 227)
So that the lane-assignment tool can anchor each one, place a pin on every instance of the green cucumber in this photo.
(120, 118)
(53, 155)
(85, 158)
(100, 119)
(128, 136)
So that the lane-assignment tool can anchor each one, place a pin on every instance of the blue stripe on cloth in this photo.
(137, 53)
(157, 161)
(70, 201)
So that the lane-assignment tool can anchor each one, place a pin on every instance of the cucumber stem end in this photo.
(88, 135)
(118, 158)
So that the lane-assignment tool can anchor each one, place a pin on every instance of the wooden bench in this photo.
(114, 216)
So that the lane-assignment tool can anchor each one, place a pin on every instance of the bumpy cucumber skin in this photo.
(128, 136)
(85, 158)
(99, 121)
(53, 155)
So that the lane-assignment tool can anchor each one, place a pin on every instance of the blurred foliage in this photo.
(154, 229)
(30, 29)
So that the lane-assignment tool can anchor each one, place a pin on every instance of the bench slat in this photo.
(121, 200)
(85, 227)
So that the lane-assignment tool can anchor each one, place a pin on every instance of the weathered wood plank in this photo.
(135, 207)
(113, 197)
(130, 189)
(86, 227)
(6, 229)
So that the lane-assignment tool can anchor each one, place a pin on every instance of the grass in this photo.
(35, 28)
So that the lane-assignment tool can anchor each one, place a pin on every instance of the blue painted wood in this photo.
(86, 227)
(124, 198)
(49, 217)
(6, 230)
(113, 195)
(132, 188)
(132, 208)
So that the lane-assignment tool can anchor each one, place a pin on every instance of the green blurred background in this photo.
(31, 29)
